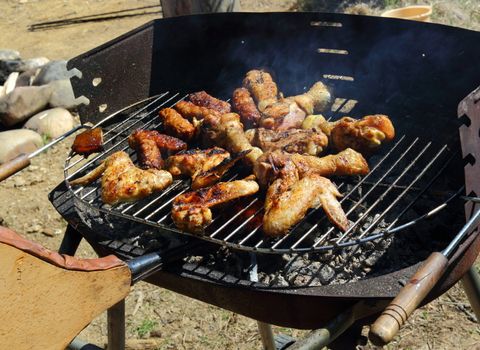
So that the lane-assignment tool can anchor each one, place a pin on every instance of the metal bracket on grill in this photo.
(470, 140)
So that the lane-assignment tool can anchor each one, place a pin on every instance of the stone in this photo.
(9, 84)
(22, 103)
(62, 95)
(26, 78)
(51, 122)
(6, 54)
(16, 142)
(326, 274)
(18, 65)
(53, 70)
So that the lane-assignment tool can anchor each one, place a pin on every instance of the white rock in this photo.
(10, 83)
(16, 142)
(22, 103)
(53, 70)
(51, 122)
(6, 54)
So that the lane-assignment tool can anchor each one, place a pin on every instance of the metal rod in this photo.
(57, 140)
(472, 223)
(471, 285)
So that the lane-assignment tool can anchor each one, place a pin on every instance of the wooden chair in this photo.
(47, 298)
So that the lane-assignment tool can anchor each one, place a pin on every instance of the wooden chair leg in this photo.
(266, 334)
(116, 326)
(471, 285)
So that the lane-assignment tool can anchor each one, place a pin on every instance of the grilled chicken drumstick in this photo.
(301, 141)
(122, 181)
(289, 198)
(262, 88)
(227, 131)
(176, 125)
(203, 99)
(191, 111)
(191, 211)
(149, 145)
(244, 105)
(363, 135)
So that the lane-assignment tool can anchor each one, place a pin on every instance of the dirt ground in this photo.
(170, 320)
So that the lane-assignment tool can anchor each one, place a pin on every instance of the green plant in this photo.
(146, 327)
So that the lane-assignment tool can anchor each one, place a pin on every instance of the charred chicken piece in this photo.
(191, 111)
(122, 181)
(203, 99)
(88, 142)
(149, 145)
(262, 88)
(213, 175)
(176, 125)
(191, 211)
(227, 131)
(289, 198)
(347, 162)
(301, 141)
(363, 135)
(244, 105)
(196, 161)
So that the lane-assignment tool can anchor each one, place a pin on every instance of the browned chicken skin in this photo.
(289, 197)
(149, 145)
(282, 115)
(227, 131)
(262, 88)
(363, 135)
(347, 162)
(315, 99)
(244, 105)
(203, 99)
(89, 141)
(191, 211)
(301, 141)
(191, 111)
(176, 125)
(122, 181)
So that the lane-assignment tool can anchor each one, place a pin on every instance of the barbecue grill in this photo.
(409, 205)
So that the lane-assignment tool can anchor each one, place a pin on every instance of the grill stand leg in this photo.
(266, 334)
(116, 326)
(471, 285)
(70, 242)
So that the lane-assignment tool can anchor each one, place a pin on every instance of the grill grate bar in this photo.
(383, 195)
(395, 201)
(374, 186)
(94, 159)
(363, 180)
(218, 230)
(108, 131)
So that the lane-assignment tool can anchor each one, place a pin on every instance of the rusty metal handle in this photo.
(395, 315)
(14, 166)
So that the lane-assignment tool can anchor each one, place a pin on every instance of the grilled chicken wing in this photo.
(363, 135)
(244, 105)
(191, 211)
(203, 99)
(347, 162)
(176, 125)
(191, 111)
(262, 88)
(301, 141)
(122, 181)
(227, 131)
(150, 143)
(289, 198)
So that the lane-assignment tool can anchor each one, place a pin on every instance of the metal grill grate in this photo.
(374, 204)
